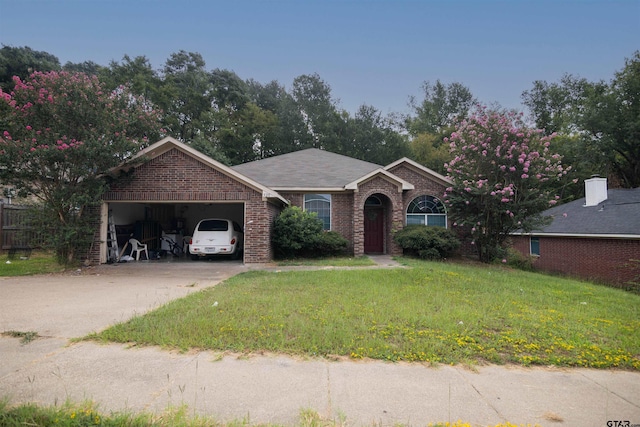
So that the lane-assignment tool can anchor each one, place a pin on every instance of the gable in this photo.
(414, 169)
(400, 184)
(171, 164)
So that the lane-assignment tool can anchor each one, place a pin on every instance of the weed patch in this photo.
(25, 337)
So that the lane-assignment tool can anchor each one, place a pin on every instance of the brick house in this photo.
(169, 186)
(594, 238)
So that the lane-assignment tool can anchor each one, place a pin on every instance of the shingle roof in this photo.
(618, 215)
(310, 168)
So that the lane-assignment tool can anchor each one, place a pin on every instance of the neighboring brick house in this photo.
(170, 186)
(595, 238)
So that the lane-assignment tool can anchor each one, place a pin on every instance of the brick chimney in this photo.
(595, 190)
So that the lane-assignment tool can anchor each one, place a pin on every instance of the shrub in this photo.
(331, 243)
(296, 233)
(427, 242)
(518, 260)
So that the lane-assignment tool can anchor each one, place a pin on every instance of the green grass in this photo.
(38, 263)
(329, 262)
(431, 312)
(86, 414)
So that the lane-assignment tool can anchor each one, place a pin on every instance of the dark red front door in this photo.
(373, 230)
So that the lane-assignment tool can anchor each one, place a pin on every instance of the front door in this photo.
(373, 230)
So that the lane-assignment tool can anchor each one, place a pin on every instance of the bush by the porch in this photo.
(298, 233)
(427, 242)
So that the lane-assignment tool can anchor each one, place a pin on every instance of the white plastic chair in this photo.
(138, 247)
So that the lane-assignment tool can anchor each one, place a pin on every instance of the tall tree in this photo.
(612, 119)
(441, 107)
(598, 123)
(189, 94)
(434, 117)
(21, 62)
(86, 67)
(290, 132)
(61, 134)
(135, 73)
(502, 173)
(325, 125)
(557, 107)
(373, 138)
(430, 150)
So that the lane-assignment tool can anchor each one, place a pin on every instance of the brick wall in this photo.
(341, 208)
(600, 260)
(422, 183)
(176, 176)
(259, 217)
(393, 211)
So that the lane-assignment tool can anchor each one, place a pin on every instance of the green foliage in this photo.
(442, 106)
(430, 151)
(427, 242)
(600, 119)
(373, 138)
(330, 243)
(504, 176)
(435, 116)
(87, 414)
(295, 233)
(25, 337)
(62, 133)
(517, 259)
(21, 62)
(298, 233)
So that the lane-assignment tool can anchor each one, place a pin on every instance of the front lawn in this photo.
(37, 263)
(431, 312)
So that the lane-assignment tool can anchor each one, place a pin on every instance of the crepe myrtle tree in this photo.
(503, 176)
(60, 134)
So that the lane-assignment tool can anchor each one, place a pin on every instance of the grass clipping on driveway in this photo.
(430, 312)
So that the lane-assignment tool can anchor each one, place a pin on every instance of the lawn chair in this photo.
(138, 247)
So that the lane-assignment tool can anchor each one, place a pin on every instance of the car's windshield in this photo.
(213, 225)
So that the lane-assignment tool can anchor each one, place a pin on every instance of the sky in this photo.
(374, 52)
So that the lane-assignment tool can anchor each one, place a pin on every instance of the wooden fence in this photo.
(14, 231)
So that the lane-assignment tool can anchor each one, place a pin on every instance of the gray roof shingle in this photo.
(618, 215)
(310, 168)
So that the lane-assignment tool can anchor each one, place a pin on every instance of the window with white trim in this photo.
(427, 210)
(321, 205)
(534, 246)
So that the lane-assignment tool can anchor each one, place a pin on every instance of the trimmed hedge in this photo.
(427, 242)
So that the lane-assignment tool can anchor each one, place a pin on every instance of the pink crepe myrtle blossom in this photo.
(512, 179)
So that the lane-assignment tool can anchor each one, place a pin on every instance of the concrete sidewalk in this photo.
(263, 388)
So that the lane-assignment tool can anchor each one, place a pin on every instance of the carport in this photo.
(168, 187)
(161, 225)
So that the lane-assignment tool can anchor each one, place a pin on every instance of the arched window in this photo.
(427, 210)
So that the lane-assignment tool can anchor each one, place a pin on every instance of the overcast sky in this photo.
(375, 52)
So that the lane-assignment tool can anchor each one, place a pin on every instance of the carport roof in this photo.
(307, 169)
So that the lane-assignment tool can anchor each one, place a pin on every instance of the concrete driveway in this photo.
(73, 305)
(262, 388)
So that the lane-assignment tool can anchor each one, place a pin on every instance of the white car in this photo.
(216, 236)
